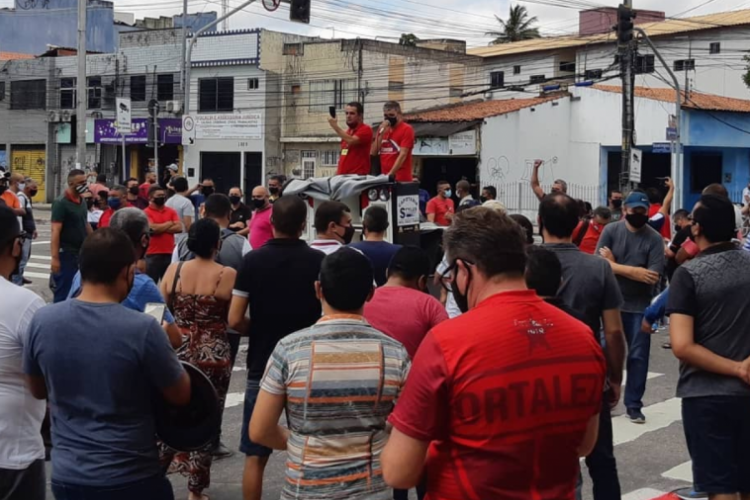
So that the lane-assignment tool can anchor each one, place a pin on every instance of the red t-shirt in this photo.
(425, 313)
(393, 141)
(666, 229)
(106, 216)
(504, 393)
(591, 238)
(441, 206)
(260, 227)
(164, 242)
(143, 190)
(356, 159)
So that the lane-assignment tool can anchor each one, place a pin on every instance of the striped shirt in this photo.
(341, 378)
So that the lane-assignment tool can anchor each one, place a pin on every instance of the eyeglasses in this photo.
(447, 277)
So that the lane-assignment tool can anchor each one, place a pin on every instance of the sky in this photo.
(387, 19)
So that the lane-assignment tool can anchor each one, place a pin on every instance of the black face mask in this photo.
(235, 200)
(392, 120)
(462, 299)
(482, 199)
(133, 190)
(89, 203)
(617, 204)
(348, 234)
(677, 228)
(207, 190)
(637, 220)
(160, 201)
(258, 204)
(33, 192)
(274, 190)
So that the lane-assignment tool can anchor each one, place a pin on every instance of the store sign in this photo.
(106, 132)
(636, 157)
(430, 146)
(407, 207)
(124, 120)
(661, 148)
(463, 143)
(228, 126)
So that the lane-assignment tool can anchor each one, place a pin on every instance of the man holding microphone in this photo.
(394, 143)
(355, 142)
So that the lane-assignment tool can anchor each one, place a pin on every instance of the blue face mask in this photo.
(114, 203)
(448, 193)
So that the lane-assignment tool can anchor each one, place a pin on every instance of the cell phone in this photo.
(155, 310)
(332, 111)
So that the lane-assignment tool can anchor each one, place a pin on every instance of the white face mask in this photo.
(21, 186)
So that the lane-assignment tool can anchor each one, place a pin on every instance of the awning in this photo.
(441, 129)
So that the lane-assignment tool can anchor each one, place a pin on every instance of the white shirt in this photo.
(94, 215)
(450, 305)
(326, 246)
(737, 217)
(21, 414)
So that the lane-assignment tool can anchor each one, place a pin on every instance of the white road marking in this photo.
(41, 257)
(643, 494)
(683, 472)
(239, 369)
(658, 416)
(41, 276)
(37, 266)
(40, 242)
(234, 399)
(649, 376)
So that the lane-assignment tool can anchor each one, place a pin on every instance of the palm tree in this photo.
(518, 27)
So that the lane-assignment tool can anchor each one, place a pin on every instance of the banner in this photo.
(170, 131)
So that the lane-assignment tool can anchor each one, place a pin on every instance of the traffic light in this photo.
(625, 16)
(299, 11)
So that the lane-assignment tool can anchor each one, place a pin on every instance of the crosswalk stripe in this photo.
(643, 494)
(41, 257)
(234, 399)
(37, 266)
(683, 472)
(40, 242)
(31, 274)
(649, 376)
(658, 416)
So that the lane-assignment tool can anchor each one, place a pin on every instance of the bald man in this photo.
(260, 224)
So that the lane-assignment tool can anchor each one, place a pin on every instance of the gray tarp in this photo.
(334, 188)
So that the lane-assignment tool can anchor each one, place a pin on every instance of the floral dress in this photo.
(202, 320)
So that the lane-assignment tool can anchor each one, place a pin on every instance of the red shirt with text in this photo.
(356, 159)
(392, 142)
(504, 394)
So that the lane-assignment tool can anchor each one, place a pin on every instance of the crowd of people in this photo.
(494, 390)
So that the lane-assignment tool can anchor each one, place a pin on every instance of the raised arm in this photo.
(538, 191)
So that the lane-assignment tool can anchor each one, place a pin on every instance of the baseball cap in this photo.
(172, 167)
(637, 199)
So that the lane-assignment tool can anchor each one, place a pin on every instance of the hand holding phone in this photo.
(155, 310)
(332, 111)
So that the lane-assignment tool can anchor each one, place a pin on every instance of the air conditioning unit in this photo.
(65, 116)
(53, 117)
(174, 107)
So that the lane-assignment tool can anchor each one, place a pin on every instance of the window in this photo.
(110, 92)
(567, 67)
(497, 79)
(325, 93)
(28, 94)
(395, 86)
(216, 94)
(2, 91)
(537, 79)
(684, 65)
(714, 48)
(67, 93)
(94, 87)
(706, 168)
(138, 88)
(517, 70)
(296, 89)
(165, 87)
(593, 74)
(292, 49)
(330, 158)
(253, 84)
(644, 64)
(455, 92)
(308, 163)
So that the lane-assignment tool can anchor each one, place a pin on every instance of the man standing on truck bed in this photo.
(355, 142)
(393, 143)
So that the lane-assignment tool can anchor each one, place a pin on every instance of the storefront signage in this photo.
(636, 158)
(170, 131)
(228, 126)
(458, 144)
(463, 143)
(407, 207)
(661, 148)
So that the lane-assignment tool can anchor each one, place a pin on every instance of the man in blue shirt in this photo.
(379, 251)
(134, 223)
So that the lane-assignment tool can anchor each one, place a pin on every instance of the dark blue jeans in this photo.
(64, 279)
(639, 350)
(156, 488)
(601, 462)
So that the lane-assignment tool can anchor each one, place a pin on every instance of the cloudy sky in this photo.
(387, 19)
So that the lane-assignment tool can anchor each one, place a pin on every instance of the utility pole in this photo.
(184, 44)
(81, 91)
(625, 15)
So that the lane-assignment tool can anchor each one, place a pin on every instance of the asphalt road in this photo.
(652, 458)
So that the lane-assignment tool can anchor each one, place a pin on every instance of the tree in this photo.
(746, 76)
(408, 40)
(518, 27)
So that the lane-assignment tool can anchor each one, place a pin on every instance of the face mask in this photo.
(133, 190)
(617, 204)
(207, 190)
(274, 190)
(89, 203)
(81, 188)
(114, 203)
(677, 229)
(160, 201)
(21, 186)
(462, 299)
(392, 120)
(235, 200)
(348, 234)
(482, 199)
(448, 193)
(259, 203)
(33, 192)
(637, 220)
